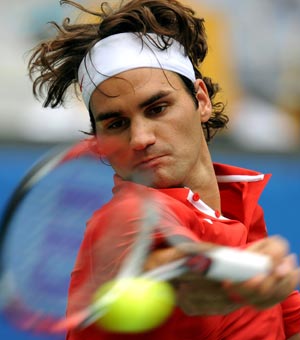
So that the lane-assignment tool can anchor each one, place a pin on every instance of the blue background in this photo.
(280, 200)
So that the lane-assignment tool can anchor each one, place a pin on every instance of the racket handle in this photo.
(232, 264)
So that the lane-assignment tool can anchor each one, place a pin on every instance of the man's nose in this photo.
(142, 134)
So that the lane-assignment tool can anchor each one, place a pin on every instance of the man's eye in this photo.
(157, 109)
(116, 124)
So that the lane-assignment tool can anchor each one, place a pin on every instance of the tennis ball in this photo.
(140, 305)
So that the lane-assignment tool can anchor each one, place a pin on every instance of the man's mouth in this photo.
(149, 162)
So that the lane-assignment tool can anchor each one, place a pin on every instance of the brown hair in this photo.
(54, 64)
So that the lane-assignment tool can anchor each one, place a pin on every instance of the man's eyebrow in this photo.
(101, 116)
(154, 98)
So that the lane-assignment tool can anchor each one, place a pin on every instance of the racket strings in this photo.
(42, 237)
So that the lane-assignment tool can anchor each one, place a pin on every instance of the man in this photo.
(153, 114)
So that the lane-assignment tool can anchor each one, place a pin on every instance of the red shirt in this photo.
(241, 222)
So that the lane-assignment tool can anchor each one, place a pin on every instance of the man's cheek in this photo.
(110, 148)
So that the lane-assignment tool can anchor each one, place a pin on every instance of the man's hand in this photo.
(264, 291)
(197, 295)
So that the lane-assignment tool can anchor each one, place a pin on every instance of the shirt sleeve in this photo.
(290, 306)
(291, 314)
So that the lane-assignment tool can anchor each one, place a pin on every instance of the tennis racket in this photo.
(43, 228)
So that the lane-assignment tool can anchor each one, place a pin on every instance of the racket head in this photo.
(41, 231)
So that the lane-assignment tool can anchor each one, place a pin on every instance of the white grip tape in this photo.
(236, 265)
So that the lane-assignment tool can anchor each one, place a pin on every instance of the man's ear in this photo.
(204, 101)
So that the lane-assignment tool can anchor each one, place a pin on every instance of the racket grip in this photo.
(236, 265)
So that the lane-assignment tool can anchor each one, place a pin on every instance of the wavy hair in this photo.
(53, 64)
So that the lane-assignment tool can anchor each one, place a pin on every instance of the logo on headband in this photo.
(81, 83)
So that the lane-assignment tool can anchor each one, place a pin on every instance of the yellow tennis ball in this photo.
(140, 305)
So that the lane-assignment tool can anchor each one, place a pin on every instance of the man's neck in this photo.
(205, 182)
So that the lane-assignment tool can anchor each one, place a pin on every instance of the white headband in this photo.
(125, 51)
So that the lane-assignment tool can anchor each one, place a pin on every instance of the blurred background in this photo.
(254, 53)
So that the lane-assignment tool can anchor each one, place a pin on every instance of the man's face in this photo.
(149, 127)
